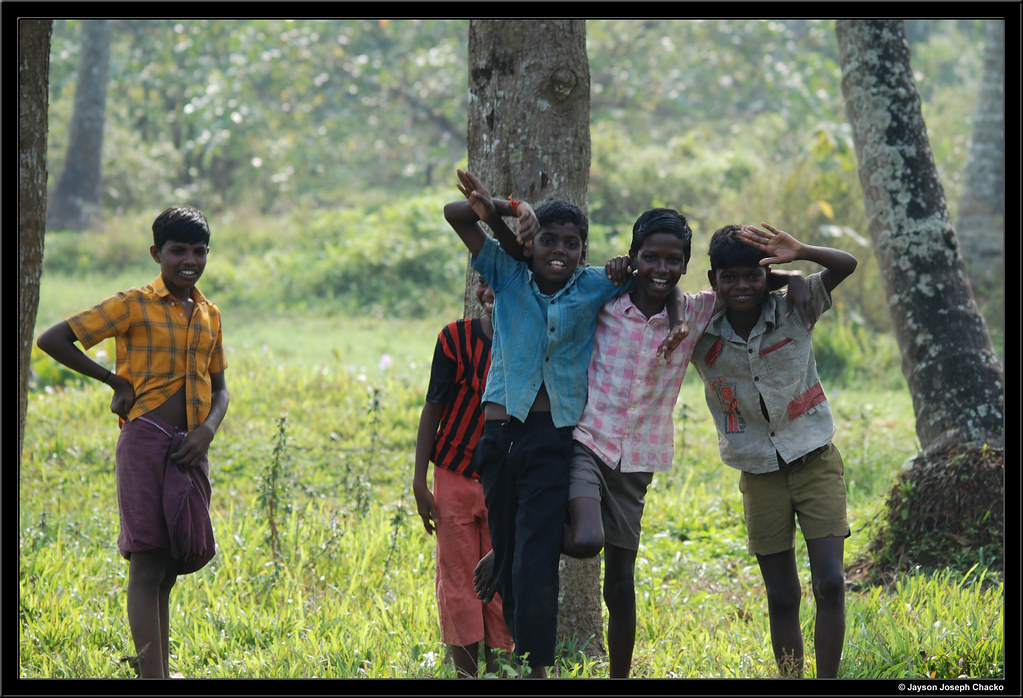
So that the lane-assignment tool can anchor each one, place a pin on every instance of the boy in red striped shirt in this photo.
(449, 427)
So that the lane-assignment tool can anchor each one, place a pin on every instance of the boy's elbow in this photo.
(451, 212)
(50, 338)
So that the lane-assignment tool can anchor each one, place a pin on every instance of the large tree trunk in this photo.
(33, 102)
(76, 200)
(529, 137)
(954, 375)
(980, 221)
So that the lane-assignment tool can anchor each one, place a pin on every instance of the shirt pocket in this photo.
(784, 359)
(202, 343)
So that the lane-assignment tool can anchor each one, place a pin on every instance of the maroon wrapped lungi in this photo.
(162, 506)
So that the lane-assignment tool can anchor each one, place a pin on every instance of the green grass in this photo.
(350, 593)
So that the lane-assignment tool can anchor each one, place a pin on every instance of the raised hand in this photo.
(779, 245)
(477, 195)
(527, 225)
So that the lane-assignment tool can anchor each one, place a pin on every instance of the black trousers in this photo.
(524, 468)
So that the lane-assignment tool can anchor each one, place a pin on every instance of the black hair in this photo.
(181, 223)
(661, 220)
(562, 212)
(727, 249)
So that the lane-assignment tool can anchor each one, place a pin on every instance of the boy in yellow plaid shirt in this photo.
(171, 397)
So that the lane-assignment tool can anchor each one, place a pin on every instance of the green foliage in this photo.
(274, 486)
(849, 353)
(270, 112)
(47, 374)
(282, 121)
(400, 260)
(902, 633)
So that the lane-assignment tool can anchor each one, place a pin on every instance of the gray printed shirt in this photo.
(776, 365)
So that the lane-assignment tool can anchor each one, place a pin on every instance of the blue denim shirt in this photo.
(541, 339)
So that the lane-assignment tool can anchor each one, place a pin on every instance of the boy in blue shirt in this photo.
(544, 320)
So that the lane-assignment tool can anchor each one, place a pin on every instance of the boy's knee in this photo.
(150, 569)
(582, 544)
(783, 596)
(830, 587)
(618, 592)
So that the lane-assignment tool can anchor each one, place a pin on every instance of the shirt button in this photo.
(772, 433)
(756, 378)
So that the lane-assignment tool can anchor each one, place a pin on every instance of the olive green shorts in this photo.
(811, 489)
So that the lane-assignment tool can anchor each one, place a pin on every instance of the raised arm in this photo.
(782, 248)
(493, 211)
(461, 217)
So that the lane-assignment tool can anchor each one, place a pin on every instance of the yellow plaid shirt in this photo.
(158, 348)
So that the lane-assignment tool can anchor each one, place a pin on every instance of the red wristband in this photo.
(514, 204)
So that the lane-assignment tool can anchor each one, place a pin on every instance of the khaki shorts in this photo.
(811, 488)
(622, 496)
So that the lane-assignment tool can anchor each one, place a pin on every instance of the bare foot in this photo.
(483, 578)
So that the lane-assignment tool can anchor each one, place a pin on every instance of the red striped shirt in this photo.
(461, 361)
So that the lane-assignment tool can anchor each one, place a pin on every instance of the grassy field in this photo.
(322, 422)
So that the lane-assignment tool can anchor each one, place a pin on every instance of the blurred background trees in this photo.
(728, 120)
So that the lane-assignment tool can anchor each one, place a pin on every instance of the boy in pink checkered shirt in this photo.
(626, 432)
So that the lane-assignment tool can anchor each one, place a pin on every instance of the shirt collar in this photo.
(161, 290)
(552, 296)
(768, 319)
(625, 306)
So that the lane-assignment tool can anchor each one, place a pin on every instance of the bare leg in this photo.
(826, 570)
(584, 536)
(148, 592)
(465, 660)
(620, 598)
(491, 655)
(783, 594)
(165, 590)
(538, 673)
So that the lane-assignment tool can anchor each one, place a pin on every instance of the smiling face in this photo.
(485, 295)
(741, 289)
(557, 251)
(660, 262)
(181, 265)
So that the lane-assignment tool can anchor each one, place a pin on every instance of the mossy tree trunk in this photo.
(33, 102)
(529, 137)
(954, 375)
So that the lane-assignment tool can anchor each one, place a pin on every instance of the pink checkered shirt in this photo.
(632, 392)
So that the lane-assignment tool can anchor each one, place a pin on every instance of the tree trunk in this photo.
(954, 375)
(76, 200)
(33, 102)
(980, 222)
(529, 137)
